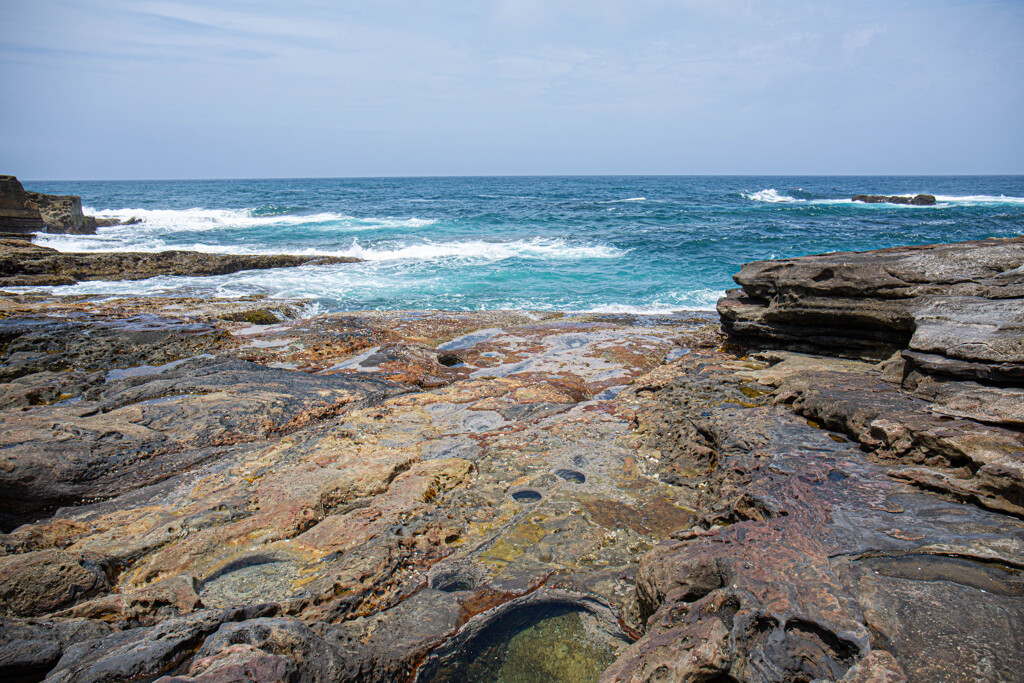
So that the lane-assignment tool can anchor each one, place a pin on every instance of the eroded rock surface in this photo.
(813, 556)
(18, 215)
(334, 498)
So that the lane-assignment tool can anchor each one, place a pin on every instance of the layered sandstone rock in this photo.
(63, 213)
(24, 212)
(872, 304)
(18, 215)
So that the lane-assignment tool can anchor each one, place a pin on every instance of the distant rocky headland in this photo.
(825, 481)
(23, 264)
(24, 212)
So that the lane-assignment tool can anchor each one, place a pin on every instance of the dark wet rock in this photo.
(954, 314)
(24, 264)
(783, 576)
(29, 649)
(17, 212)
(85, 350)
(267, 649)
(916, 200)
(967, 459)
(140, 653)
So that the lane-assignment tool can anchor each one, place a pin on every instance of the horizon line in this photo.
(537, 175)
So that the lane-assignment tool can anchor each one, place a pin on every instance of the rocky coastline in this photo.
(22, 213)
(823, 481)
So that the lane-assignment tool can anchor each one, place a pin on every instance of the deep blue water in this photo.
(563, 243)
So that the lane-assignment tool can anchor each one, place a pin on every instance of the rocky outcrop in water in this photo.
(23, 264)
(220, 491)
(18, 215)
(916, 200)
(63, 214)
(24, 212)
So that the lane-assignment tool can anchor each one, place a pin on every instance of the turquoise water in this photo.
(544, 243)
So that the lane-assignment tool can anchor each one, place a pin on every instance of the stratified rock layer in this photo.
(17, 212)
(24, 212)
(962, 300)
(63, 213)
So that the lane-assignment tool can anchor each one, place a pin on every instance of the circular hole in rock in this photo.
(572, 475)
(449, 360)
(526, 496)
(453, 581)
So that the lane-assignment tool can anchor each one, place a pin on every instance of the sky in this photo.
(136, 89)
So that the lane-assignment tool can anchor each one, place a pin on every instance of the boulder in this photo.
(17, 212)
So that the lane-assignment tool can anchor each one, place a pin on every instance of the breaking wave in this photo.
(770, 195)
(468, 250)
(199, 220)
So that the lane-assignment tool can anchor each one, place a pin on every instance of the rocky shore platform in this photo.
(23, 264)
(823, 482)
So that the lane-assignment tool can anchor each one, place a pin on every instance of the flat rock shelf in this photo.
(826, 487)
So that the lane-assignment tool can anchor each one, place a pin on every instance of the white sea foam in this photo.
(199, 220)
(978, 199)
(627, 199)
(478, 250)
(468, 250)
(770, 195)
(692, 300)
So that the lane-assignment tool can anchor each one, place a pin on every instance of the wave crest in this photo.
(201, 220)
(467, 250)
(770, 195)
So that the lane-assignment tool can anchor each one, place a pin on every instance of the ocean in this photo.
(589, 243)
